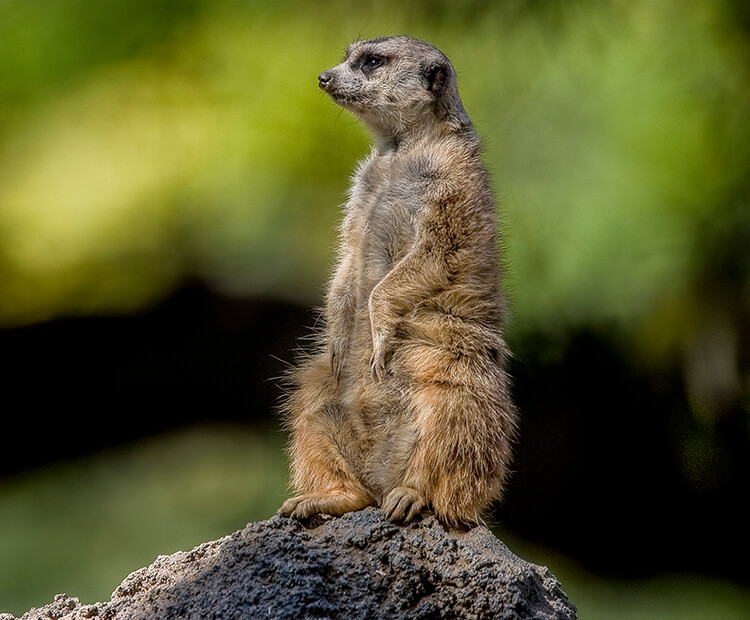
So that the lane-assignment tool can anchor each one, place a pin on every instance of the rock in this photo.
(356, 566)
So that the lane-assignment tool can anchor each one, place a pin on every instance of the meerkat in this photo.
(406, 404)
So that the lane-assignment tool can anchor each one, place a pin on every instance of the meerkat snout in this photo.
(324, 79)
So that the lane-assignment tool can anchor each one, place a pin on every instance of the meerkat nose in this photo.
(324, 79)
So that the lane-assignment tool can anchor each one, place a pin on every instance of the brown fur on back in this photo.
(406, 403)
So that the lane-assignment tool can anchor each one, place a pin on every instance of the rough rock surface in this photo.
(356, 566)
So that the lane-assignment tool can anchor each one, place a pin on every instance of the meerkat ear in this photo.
(436, 76)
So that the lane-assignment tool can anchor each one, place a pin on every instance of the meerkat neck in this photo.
(387, 142)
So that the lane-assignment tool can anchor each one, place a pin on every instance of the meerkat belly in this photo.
(386, 235)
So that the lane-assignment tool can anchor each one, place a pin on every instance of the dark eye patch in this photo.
(369, 62)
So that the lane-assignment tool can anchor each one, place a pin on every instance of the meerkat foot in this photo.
(403, 504)
(333, 503)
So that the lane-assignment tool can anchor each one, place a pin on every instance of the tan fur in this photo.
(406, 404)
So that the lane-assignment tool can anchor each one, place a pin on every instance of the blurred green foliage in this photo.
(145, 141)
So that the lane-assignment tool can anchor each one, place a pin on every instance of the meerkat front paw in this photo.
(381, 340)
(338, 353)
(403, 504)
(382, 326)
(377, 364)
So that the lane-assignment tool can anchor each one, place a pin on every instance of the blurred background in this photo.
(170, 182)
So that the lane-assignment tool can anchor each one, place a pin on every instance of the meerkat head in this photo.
(397, 86)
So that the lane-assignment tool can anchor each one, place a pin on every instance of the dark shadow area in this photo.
(602, 469)
(75, 386)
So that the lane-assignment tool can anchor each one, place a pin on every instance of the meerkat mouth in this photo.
(351, 101)
(339, 95)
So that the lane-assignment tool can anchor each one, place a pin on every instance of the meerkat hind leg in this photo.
(334, 503)
(403, 504)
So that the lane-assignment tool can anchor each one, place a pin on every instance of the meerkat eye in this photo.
(371, 62)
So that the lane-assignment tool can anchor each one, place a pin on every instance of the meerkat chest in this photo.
(386, 206)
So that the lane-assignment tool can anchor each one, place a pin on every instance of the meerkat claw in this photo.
(377, 366)
(288, 507)
(403, 504)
